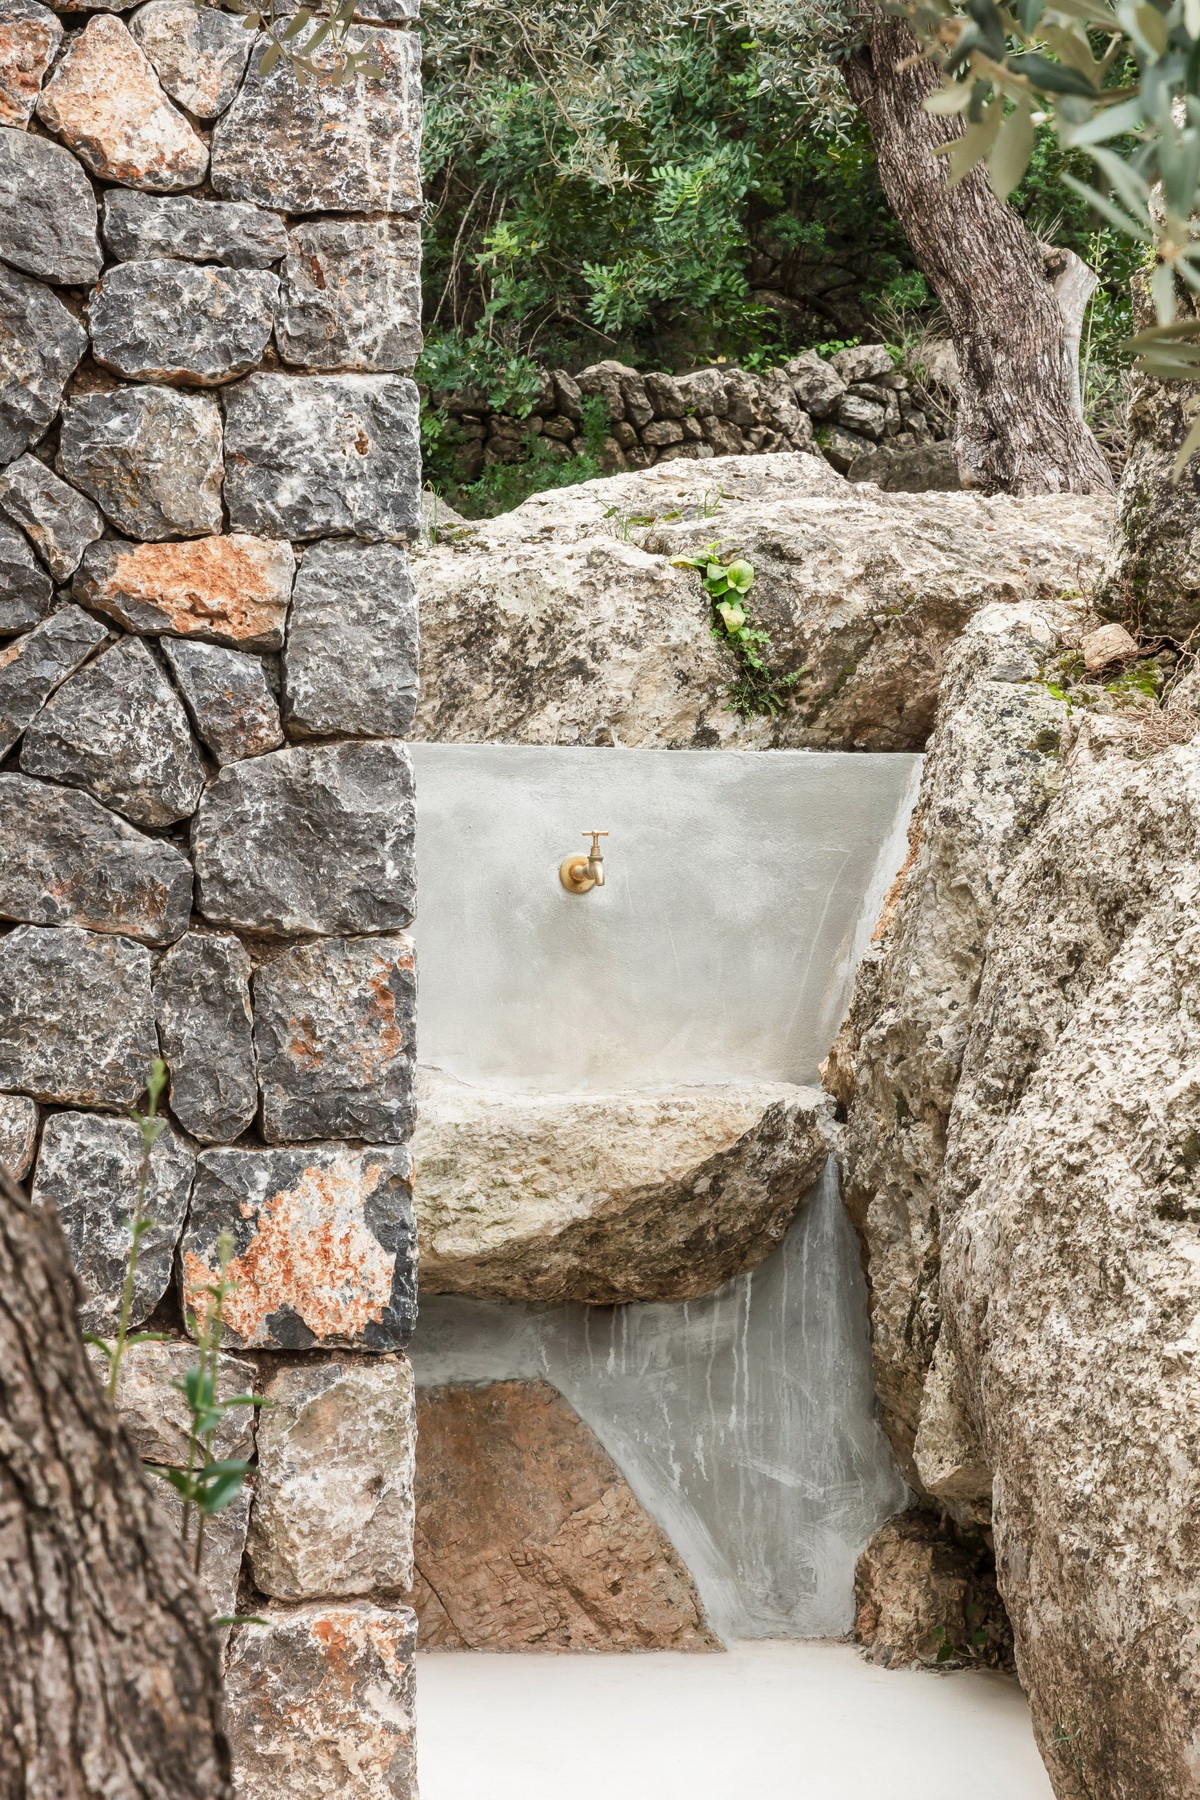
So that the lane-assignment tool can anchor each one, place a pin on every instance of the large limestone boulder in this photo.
(605, 1198)
(564, 622)
(529, 1538)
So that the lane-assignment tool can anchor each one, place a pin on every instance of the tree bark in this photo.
(109, 1680)
(1018, 430)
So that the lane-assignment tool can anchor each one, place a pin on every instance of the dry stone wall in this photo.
(209, 314)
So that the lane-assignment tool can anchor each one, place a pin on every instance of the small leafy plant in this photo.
(757, 689)
(152, 1128)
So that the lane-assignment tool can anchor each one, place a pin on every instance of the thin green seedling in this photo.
(151, 1126)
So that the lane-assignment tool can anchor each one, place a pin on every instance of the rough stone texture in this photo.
(150, 456)
(925, 469)
(31, 667)
(26, 591)
(228, 697)
(154, 1412)
(923, 1599)
(558, 623)
(76, 1019)
(202, 1005)
(104, 100)
(334, 1024)
(608, 1198)
(67, 860)
(333, 1504)
(163, 320)
(138, 227)
(320, 148)
(40, 344)
(118, 729)
(47, 210)
(351, 295)
(350, 666)
(992, 767)
(309, 841)
(322, 1704)
(198, 52)
(816, 384)
(863, 362)
(222, 1551)
(325, 1245)
(29, 39)
(88, 1168)
(233, 589)
(312, 456)
(18, 1134)
(529, 1538)
(56, 517)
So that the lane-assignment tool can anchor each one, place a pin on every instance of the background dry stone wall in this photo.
(209, 313)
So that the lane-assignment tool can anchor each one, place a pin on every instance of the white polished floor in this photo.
(767, 1721)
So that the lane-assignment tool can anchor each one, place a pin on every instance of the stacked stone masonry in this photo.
(209, 473)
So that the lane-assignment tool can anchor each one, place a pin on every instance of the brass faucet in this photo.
(580, 874)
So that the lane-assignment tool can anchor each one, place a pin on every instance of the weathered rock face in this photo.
(528, 1537)
(118, 729)
(150, 456)
(351, 658)
(59, 522)
(47, 211)
(351, 295)
(67, 860)
(202, 1005)
(233, 589)
(325, 1246)
(139, 226)
(40, 344)
(333, 1504)
(923, 1599)
(323, 149)
(105, 102)
(26, 591)
(29, 39)
(863, 591)
(322, 1703)
(32, 667)
(334, 1023)
(153, 1409)
(161, 320)
(228, 698)
(18, 1134)
(76, 1021)
(309, 841)
(311, 456)
(607, 1199)
(199, 54)
(88, 1169)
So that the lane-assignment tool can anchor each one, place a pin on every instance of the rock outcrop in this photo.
(608, 1198)
(528, 1537)
(1021, 1153)
(564, 621)
(924, 1599)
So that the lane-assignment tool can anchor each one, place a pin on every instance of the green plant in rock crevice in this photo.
(757, 689)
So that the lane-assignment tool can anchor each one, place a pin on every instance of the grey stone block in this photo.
(866, 417)
(154, 1412)
(29, 39)
(334, 1028)
(162, 320)
(47, 211)
(333, 1501)
(139, 227)
(88, 1167)
(18, 1134)
(816, 384)
(351, 295)
(233, 589)
(222, 1551)
(40, 345)
(202, 1003)
(313, 841)
(76, 1018)
(321, 148)
(118, 728)
(26, 591)
(350, 666)
(57, 518)
(150, 456)
(228, 697)
(199, 52)
(312, 456)
(31, 667)
(67, 860)
(325, 1249)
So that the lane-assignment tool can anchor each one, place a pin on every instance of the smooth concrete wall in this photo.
(719, 948)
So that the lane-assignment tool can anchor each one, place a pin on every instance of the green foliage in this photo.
(151, 1127)
(501, 486)
(756, 689)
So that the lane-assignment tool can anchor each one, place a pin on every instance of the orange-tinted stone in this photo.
(234, 590)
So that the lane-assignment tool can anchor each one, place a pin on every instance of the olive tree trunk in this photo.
(109, 1681)
(1020, 429)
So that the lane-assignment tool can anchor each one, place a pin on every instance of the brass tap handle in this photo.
(579, 874)
(594, 835)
